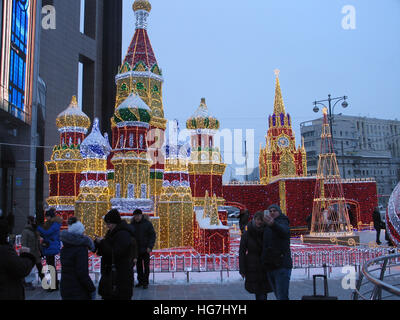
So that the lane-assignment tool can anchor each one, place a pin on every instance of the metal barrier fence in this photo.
(302, 259)
(379, 279)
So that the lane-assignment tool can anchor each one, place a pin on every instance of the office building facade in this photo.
(365, 147)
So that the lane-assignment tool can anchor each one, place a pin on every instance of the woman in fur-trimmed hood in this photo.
(76, 283)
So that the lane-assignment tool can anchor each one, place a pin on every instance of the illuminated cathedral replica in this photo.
(178, 187)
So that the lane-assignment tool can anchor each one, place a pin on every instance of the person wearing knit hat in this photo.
(119, 253)
(276, 255)
(145, 237)
(76, 283)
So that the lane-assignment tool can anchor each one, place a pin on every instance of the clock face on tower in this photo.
(283, 142)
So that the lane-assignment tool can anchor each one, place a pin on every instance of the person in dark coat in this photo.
(146, 238)
(119, 245)
(76, 283)
(51, 245)
(376, 217)
(30, 239)
(243, 219)
(13, 268)
(276, 256)
(250, 268)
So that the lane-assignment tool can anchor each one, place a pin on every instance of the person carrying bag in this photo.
(119, 251)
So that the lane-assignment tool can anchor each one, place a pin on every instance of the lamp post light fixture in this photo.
(331, 109)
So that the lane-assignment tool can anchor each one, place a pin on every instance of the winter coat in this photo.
(75, 281)
(51, 234)
(376, 217)
(144, 234)
(250, 250)
(278, 237)
(30, 239)
(120, 242)
(13, 270)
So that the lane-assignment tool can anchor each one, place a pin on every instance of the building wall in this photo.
(19, 130)
(365, 147)
(62, 51)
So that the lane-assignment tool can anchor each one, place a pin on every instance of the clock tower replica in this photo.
(280, 157)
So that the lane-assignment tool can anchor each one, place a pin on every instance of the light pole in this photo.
(331, 110)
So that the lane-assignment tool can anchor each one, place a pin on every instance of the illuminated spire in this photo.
(279, 106)
(142, 10)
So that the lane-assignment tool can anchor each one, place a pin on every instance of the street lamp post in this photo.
(331, 110)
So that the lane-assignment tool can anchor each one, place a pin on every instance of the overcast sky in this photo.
(227, 51)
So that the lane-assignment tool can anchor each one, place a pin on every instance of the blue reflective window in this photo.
(19, 43)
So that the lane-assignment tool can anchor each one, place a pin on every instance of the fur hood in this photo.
(74, 239)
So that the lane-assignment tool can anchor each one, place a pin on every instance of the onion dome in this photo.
(132, 109)
(202, 119)
(141, 5)
(95, 145)
(73, 118)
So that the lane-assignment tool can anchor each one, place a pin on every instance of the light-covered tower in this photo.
(280, 157)
(205, 166)
(130, 158)
(66, 163)
(141, 74)
(175, 207)
(93, 201)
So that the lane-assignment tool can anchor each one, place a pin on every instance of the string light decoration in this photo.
(330, 219)
(141, 74)
(93, 201)
(393, 216)
(210, 235)
(130, 160)
(280, 157)
(205, 165)
(66, 163)
(175, 206)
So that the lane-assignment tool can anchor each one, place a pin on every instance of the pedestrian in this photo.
(119, 253)
(376, 218)
(13, 268)
(308, 221)
(250, 250)
(243, 219)
(30, 239)
(76, 283)
(146, 238)
(276, 256)
(51, 245)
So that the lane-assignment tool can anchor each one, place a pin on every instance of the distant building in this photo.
(365, 147)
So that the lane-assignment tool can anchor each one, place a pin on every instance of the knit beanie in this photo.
(77, 228)
(112, 216)
(276, 207)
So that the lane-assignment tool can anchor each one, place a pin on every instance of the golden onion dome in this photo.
(73, 117)
(141, 5)
(202, 119)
